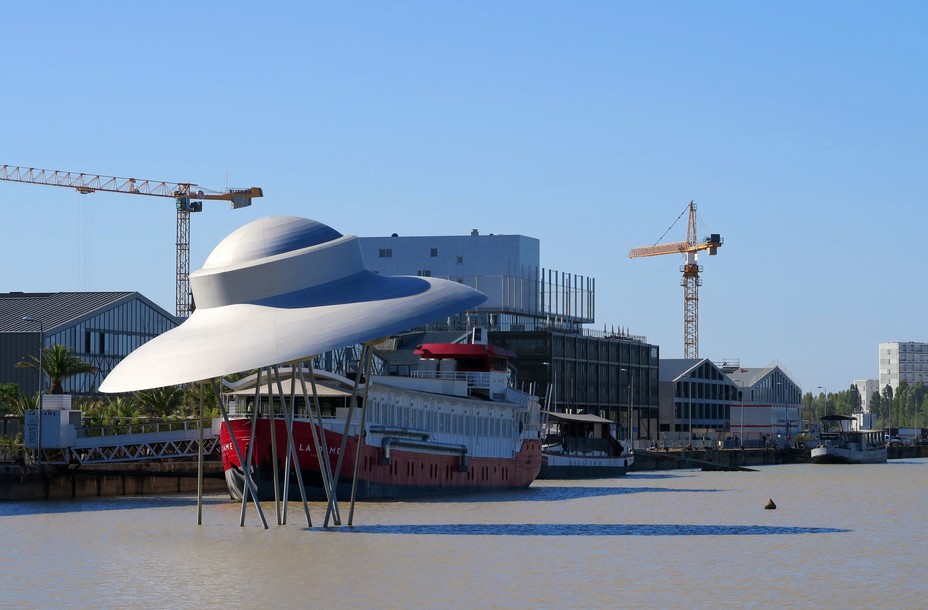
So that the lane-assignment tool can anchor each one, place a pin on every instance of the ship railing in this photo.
(475, 379)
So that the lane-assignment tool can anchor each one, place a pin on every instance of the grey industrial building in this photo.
(701, 400)
(101, 327)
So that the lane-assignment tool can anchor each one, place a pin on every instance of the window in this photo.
(434, 252)
(386, 253)
(424, 273)
(460, 259)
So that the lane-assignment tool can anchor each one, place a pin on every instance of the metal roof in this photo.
(55, 309)
(673, 368)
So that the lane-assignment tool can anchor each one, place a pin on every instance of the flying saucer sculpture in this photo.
(283, 289)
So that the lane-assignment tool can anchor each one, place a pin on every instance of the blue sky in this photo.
(799, 128)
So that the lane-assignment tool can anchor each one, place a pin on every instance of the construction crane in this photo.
(690, 250)
(187, 196)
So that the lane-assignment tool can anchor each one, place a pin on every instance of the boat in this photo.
(582, 446)
(456, 425)
(839, 444)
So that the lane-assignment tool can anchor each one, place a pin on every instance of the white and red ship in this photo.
(455, 426)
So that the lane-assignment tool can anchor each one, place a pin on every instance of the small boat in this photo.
(581, 446)
(455, 426)
(839, 444)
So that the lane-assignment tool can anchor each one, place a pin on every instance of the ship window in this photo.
(386, 253)
(434, 252)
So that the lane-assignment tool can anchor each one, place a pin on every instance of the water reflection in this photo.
(554, 494)
(584, 529)
(43, 507)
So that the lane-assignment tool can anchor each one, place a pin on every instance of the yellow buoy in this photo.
(770, 505)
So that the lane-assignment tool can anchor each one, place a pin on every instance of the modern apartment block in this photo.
(903, 361)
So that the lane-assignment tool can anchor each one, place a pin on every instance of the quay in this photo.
(716, 459)
(741, 459)
(19, 481)
(58, 482)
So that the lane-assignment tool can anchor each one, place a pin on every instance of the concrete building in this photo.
(540, 315)
(772, 407)
(100, 327)
(903, 361)
(866, 388)
(521, 294)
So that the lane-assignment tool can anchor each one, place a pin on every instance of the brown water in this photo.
(841, 537)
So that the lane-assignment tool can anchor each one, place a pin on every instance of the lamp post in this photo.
(824, 400)
(741, 433)
(779, 399)
(38, 436)
(689, 439)
(631, 411)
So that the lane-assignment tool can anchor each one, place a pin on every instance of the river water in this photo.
(841, 537)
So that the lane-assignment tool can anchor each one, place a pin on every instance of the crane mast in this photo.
(188, 197)
(691, 281)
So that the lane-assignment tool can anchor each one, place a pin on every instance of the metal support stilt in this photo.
(287, 410)
(292, 457)
(246, 468)
(357, 455)
(292, 454)
(251, 443)
(200, 461)
(319, 446)
(273, 376)
(330, 509)
(331, 485)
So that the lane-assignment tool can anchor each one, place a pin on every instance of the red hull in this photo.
(407, 472)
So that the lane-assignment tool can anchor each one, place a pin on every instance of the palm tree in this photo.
(161, 401)
(58, 363)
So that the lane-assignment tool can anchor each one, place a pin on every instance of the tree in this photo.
(9, 392)
(855, 398)
(888, 400)
(161, 402)
(58, 364)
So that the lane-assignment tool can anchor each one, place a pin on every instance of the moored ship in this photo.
(455, 426)
(838, 444)
(582, 446)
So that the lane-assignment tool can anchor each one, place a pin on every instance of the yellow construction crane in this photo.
(690, 250)
(188, 198)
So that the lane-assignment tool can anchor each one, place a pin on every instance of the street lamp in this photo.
(631, 382)
(38, 436)
(741, 433)
(825, 401)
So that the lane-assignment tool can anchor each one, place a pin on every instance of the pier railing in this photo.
(137, 427)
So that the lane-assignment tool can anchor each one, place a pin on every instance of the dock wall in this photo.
(62, 482)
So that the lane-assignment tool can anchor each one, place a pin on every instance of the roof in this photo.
(322, 390)
(579, 417)
(673, 368)
(462, 350)
(405, 344)
(56, 309)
